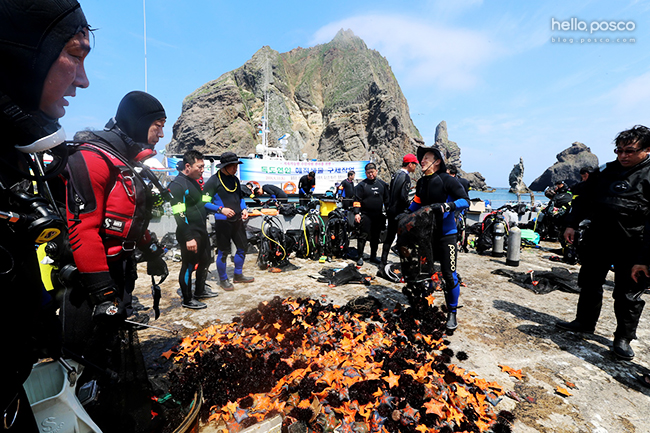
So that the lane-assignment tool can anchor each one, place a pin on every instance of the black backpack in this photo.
(308, 241)
(336, 234)
(273, 248)
(485, 238)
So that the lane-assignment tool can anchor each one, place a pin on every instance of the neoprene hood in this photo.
(32, 36)
(135, 114)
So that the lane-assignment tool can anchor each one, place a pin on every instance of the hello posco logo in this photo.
(576, 25)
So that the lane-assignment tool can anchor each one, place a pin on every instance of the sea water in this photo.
(502, 196)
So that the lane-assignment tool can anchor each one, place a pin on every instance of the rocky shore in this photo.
(500, 323)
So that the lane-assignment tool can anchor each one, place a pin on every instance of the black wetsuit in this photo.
(22, 296)
(275, 192)
(371, 197)
(617, 202)
(464, 182)
(346, 189)
(189, 211)
(305, 186)
(398, 202)
(461, 218)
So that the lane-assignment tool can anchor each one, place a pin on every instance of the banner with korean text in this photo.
(286, 173)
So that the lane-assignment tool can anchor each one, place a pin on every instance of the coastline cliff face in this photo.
(567, 168)
(338, 101)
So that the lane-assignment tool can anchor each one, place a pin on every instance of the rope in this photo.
(224, 186)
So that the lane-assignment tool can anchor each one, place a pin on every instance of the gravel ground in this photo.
(500, 323)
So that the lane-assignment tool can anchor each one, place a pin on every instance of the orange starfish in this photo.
(392, 379)
(436, 407)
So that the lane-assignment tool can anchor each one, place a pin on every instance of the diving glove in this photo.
(158, 267)
(107, 306)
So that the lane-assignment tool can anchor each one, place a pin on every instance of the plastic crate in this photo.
(327, 206)
(53, 400)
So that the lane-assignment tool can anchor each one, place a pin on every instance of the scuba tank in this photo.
(514, 247)
(498, 233)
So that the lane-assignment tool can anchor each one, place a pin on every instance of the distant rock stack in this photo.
(567, 168)
(476, 180)
(516, 179)
(340, 101)
(442, 140)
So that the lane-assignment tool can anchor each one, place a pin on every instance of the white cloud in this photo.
(499, 124)
(447, 57)
(632, 95)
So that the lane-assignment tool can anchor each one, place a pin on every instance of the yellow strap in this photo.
(178, 208)
(206, 198)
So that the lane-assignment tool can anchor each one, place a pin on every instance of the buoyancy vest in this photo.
(127, 202)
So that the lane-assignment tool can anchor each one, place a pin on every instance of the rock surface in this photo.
(339, 101)
(567, 168)
(516, 178)
(476, 180)
(500, 324)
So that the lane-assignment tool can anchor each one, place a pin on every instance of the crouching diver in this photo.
(429, 231)
(43, 46)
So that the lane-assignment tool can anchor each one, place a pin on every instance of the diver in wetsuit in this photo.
(440, 195)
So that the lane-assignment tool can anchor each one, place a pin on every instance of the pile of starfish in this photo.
(328, 368)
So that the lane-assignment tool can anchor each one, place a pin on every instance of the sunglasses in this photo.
(620, 151)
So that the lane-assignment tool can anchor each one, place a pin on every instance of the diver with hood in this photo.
(43, 45)
(429, 231)
(109, 206)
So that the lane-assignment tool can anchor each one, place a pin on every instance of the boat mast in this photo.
(265, 115)
(144, 12)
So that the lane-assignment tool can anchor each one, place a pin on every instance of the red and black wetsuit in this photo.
(108, 211)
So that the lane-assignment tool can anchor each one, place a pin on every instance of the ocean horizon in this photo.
(501, 196)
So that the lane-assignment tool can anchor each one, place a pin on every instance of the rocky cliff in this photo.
(338, 101)
(516, 178)
(567, 168)
(476, 180)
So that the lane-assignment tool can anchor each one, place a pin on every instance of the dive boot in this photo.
(201, 289)
(451, 321)
(622, 348)
(205, 294)
(574, 326)
(194, 304)
(226, 285)
(241, 278)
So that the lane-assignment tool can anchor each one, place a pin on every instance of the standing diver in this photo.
(437, 196)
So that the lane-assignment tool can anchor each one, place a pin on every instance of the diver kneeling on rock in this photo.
(429, 231)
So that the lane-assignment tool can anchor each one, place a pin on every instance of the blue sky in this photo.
(489, 69)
